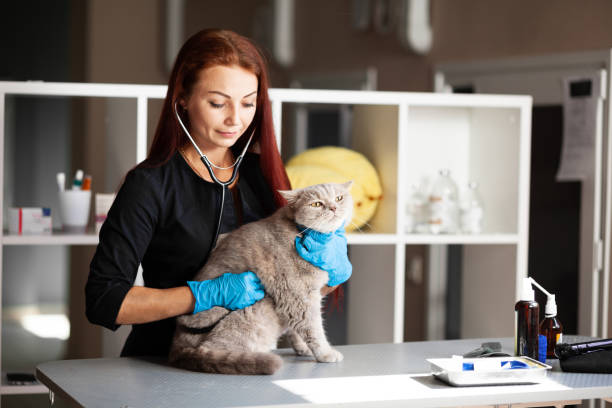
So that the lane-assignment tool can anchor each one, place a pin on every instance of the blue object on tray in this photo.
(505, 365)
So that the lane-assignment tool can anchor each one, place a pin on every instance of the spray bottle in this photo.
(551, 326)
(527, 316)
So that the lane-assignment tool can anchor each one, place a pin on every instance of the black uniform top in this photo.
(165, 218)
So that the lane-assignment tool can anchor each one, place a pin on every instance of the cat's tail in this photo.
(225, 361)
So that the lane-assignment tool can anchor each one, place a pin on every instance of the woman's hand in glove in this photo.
(230, 290)
(327, 251)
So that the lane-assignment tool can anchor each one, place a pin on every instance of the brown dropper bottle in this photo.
(527, 317)
(551, 327)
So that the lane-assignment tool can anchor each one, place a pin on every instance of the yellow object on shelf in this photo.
(330, 164)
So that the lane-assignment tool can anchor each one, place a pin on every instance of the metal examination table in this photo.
(375, 375)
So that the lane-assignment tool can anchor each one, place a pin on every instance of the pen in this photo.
(61, 181)
(78, 180)
(86, 183)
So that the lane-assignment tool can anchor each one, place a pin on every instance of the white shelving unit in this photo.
(406, 136)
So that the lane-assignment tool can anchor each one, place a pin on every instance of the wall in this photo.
(35, 40)
(481, 29)
(326, 41)
(120, 50)
(462, 30)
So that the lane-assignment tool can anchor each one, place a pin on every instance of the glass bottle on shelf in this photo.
(443, 205)
(472, 210)
(416, 211)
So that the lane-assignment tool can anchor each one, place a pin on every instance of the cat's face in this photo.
(322, 207)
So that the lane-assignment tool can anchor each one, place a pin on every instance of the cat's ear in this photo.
(290, 195)
(348, 184)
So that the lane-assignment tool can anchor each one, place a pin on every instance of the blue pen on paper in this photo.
(78, 180)
(61, 181)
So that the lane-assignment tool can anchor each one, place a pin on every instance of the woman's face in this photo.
(221, 105)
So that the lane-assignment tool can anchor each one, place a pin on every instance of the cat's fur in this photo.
(241, 340)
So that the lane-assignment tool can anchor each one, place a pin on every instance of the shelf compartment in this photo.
(488, 278)
(371, 299)
(370, 130)
(475, 144)
(31, 333)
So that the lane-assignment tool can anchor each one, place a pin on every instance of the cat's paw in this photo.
(302, 351)
(330, 356)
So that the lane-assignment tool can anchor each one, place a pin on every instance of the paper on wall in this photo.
(581, 107)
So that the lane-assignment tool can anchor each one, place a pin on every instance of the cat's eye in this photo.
(339, 198)
(316, 204)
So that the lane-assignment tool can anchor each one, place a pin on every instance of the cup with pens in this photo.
(75, 202)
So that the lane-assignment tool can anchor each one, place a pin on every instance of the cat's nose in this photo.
(333, 208)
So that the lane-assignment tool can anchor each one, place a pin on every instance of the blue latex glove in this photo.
(230, 290)
(328, 252)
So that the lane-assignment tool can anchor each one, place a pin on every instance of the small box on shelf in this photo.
(102, 206)
(29, 220)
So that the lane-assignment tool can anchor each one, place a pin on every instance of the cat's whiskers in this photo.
(309, 228)
(318, 224)
(315, 227)
(363, 222)
(358, 228)
(304, 230)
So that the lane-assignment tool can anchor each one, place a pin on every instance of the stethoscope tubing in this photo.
(209, 166)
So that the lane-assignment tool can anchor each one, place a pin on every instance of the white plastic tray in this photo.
(451, 371)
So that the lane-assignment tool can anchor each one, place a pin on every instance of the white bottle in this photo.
(443, 205)
(416, 211)
(472, 210)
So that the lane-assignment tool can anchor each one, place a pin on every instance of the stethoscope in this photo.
(209, 165)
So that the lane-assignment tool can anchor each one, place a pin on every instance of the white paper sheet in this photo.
(394, 387)
(580, 118)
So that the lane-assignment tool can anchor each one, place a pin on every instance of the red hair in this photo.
(203, 50)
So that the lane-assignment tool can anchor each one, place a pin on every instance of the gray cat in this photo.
(241, 340)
